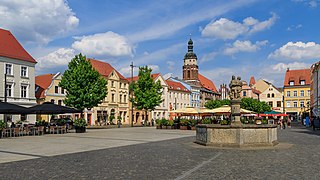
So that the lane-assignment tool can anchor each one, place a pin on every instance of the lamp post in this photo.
(132, 115)
(5, 95)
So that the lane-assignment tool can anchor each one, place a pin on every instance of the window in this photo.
(308, 103)
(56, 89)
(52, 101)
(120, 97)
(112, 83)
(244, 93)
(295, 104)
(295, 93)
(62, 91)
(291, 83)
(270, 103)
(9, 69)
(272, 95)
(125, 98)
(278, 103)
(23, 92)
(302, 93)
(268, 95)
(23, 72)
(302, 82)
(308, 93)
(112, 98)
(288, 103)
(59, 102)
(9, 90)
(120, 85)
(301, 103)
(288, 93)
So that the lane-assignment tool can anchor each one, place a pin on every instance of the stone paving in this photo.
(147, 153)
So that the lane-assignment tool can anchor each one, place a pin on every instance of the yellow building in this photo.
(116, 104)
(47, 90)
(296, 92)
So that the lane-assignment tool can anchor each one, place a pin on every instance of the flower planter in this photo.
(193, 128)
(158, 127)
(80, 129)
(184, 127)
(169, 127)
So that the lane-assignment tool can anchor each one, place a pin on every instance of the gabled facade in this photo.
(296, 92)
(116, 103)
(270, 94)
(18, 77)
(48, 90)
(249, 92)
(179, 95)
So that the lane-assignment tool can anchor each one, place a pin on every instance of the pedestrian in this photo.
(152, 122)
(289, 123)
(119, 123)
(13, 125)
(284, 123)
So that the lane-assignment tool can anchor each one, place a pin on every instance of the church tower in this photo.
(190, 66)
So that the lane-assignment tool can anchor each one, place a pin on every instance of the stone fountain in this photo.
(236, 134)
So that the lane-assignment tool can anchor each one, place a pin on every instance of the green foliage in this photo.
(184, 122)
(264, 121)
(2, 124)
(119, 118)
(80, 122)
(216, 103)
(193, 122)
(111, 118)
(147, 93)
(40, 123)
(86, 88)
(206, 121)
(158, 122)
(165, 122)
(254, 105)
(224, 122)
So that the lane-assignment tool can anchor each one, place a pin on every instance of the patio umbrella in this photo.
(271, 112)
(50, 108)
(188, 110)
(225, 109)
(9, 108)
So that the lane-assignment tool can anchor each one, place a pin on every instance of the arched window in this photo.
(272, 95)
(188, 74)
(268, 96)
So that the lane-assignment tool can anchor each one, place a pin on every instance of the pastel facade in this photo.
(19, 81)
(179, 95)
(48, 90)
(296, 91)
(270, 94)
(249, 92)
(116, 103)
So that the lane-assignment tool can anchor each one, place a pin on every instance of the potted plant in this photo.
(193, 124)
(184, 123)
(224, 122)
(80, 125)
(158, 122)
(111, 118)
(2, 126)
(206, 121)
(169, 124)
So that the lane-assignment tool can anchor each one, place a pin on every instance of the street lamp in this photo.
(132, 115)
(5, 95)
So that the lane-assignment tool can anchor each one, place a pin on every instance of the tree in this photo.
(86, 88)
(147, 93)
(254, 105)
(216, 103)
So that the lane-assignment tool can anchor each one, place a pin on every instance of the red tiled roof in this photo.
(42, 83)
(206, 83)
(135, 78)
(252, 81)
(256, 91)
(11, 48)
(104, 68)
(297, 76)
(177, 86)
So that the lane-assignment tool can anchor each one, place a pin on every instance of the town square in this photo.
(224, 89)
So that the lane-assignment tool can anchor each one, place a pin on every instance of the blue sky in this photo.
(245, 37)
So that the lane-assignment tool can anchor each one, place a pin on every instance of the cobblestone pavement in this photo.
(296, 157)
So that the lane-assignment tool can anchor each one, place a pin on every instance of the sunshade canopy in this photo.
(225, 109)
(271, 112)
(188, 110)
(50, 108)
(10, 108)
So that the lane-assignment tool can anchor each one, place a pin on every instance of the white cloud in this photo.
(297, 51)
(208, 57)
(155, 68)
(244, 46)
(228, 29)
(37, 21)
(313, 3)
(60, 57)
(292, 27)
(103, 45)
(170, 65)
(282, 67)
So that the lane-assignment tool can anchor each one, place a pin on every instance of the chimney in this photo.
(288, 69)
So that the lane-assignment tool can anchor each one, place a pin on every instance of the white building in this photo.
(19, 81)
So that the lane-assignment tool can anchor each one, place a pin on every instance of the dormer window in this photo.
(178, 88)
(291, 83)
(302, 82)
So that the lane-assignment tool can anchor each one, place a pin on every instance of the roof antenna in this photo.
(190, 35)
